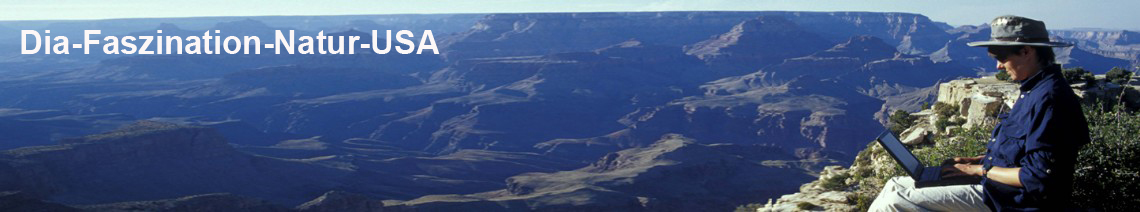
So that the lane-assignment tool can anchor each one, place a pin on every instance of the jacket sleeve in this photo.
(1051, 148)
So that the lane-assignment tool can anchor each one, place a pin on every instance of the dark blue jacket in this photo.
(1041, 134)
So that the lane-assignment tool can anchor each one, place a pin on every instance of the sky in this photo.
(1057, 14)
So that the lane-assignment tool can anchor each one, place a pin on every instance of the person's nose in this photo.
(1000, 67)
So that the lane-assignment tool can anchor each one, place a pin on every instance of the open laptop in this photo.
(924, 176)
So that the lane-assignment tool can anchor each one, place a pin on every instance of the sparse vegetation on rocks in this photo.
(901, 120)
(946, 113)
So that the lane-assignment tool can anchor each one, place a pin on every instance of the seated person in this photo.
(1028, 164)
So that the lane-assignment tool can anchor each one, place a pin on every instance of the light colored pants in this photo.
(899, 194)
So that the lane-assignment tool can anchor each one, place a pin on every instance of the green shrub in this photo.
(968, 142)
(945, 110)
(1002, 75)
(942, 123)
(945, 121)
(1118, 75)
(1090, 80)
(1075, 75)
(1106, 174)
(900, 120)
(861, 202)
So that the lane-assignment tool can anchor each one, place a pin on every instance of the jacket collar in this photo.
(1032, 81)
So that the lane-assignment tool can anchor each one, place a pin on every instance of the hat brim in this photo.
(1015, 43)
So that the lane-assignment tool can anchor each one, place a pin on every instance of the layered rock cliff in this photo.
(754, 43)
(514, 34)
(1120, 44)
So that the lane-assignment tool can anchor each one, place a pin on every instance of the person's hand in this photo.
(969, 160)
(961, 169)
(963, 160)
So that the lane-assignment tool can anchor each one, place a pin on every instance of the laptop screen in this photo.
(895, 147)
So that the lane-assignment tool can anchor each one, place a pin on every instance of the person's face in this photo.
(1019, 62)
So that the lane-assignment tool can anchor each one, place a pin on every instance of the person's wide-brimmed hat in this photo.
(1018, 31)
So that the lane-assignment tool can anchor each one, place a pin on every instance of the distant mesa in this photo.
(865, 47)
(758, 42)
(642, 52)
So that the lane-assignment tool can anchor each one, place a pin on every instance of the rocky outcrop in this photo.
(978, 99)
(825, 193)
(915, 135)
(839, 188)
(954, 92)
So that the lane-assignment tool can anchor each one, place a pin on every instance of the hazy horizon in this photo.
(1058, 14)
